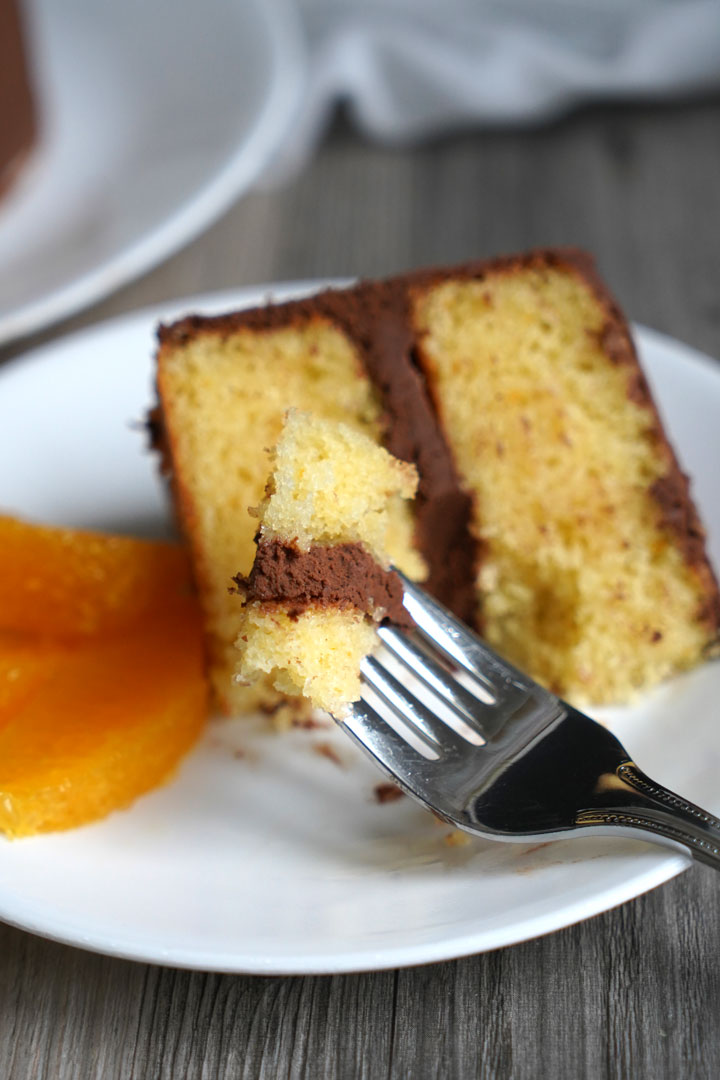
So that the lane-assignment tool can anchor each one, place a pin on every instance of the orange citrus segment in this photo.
(99, 701)
(25, 665)
(67, 583)
(102, 729)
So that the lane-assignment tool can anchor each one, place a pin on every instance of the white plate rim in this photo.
(386, 959)
(286, 77)
(664, 866)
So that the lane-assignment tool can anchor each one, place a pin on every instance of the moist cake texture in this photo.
(321, 580)
(551, 510)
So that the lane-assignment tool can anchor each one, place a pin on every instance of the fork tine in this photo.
(470, 708)
(389, 749)
(456, 641)
(417, 653)
(410, 709)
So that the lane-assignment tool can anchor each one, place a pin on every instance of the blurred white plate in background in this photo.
(155, 117)
(263, 855)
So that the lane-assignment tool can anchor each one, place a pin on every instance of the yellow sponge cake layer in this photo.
(554, 434)
(316, 654)
(331, 484)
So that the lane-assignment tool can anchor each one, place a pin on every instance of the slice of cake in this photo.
(321, 580)
(551, 510)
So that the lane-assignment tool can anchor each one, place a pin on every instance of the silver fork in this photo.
(493, 753)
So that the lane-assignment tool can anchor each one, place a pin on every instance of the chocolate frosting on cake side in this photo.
(343, 575)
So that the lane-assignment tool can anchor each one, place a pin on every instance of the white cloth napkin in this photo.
(414, 68)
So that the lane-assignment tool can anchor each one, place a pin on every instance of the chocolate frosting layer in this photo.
(344, 575)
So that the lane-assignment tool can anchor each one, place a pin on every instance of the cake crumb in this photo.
(287, 713)
(456, 838)
(387, 792)
(311, 723)
(326, 750)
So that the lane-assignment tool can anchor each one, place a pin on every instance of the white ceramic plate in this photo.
(264, 855)
(155, 117)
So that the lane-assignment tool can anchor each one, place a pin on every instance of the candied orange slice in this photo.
(102, 689)
(68, 583)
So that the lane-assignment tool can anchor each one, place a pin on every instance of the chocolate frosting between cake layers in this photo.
(343, 575)
(377, 318)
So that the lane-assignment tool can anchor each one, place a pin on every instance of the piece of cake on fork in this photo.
(321, 581)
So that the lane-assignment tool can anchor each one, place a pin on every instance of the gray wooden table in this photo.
(633, 993)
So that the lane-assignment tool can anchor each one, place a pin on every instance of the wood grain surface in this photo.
(634, 993)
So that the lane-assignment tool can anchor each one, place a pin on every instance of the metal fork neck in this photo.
(644, 806)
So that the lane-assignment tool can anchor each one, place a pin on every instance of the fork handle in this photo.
(650, 807)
